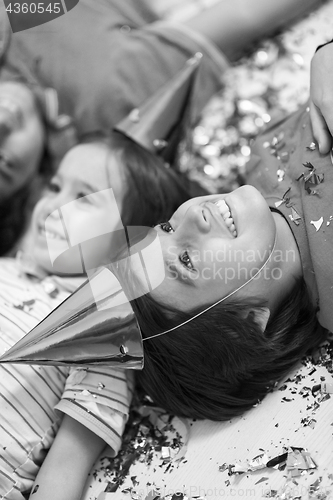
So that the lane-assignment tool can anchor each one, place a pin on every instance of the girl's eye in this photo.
(53, 187)
(83, 197)
(166, 226)
(4, 161)
(185, 260)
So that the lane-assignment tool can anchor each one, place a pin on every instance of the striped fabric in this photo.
(33, 398)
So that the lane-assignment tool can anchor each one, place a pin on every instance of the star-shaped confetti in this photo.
(317, 223)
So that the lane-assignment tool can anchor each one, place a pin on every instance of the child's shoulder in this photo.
(9, 267)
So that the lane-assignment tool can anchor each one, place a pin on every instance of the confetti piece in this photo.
(270, 494)
(298, 59)
(280, 174)
(277, 460)
(152, 495)
(262, 480)
(258, 462)
(166, 453)
(36, 488)
(50, 288)
(294, 216)
(311, 147)
(179, 496)
(317, 223)
(308, 422)
(326, 388)
(284, 156)
(315, 486)
(324, 397)
(311, 191)
(308, 164)
(318, 178)
(237, 469)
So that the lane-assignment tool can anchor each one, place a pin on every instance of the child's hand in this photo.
(321, 97)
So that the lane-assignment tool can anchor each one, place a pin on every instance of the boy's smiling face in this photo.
(215, 244)
(77, 207)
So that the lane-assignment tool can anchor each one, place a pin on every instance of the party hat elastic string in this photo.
(219, 301)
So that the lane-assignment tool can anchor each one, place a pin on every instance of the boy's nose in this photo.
(196, 220)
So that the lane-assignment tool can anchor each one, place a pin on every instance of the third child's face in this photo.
(76, 207)
(21, 138)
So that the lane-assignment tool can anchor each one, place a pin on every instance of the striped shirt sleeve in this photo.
(99, 398)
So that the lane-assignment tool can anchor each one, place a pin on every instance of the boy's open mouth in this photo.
(227, 216)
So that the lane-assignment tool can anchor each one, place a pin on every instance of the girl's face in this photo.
(21, 138)
(214, 244)
(73, 223)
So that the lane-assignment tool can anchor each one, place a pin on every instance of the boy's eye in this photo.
(166, 227)
(185, 260)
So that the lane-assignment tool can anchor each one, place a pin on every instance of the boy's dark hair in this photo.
(154, 191)
(219, 365)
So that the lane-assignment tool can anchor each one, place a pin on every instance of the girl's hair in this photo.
(15, 211)
(12, 219)
(153, 190)
(220, 365)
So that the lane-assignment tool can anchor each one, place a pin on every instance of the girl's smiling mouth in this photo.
(50, 235)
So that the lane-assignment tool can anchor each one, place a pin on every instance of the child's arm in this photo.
(321, 92)
(234, 26)
(64, 471)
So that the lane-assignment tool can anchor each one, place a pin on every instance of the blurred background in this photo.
(269, 81)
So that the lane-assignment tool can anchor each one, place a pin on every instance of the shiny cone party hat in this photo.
(158, 124)
(96, 325)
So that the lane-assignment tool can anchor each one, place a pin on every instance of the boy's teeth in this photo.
(227, 217)
(223, 207)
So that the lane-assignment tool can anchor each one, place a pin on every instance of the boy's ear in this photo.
(260, 316)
